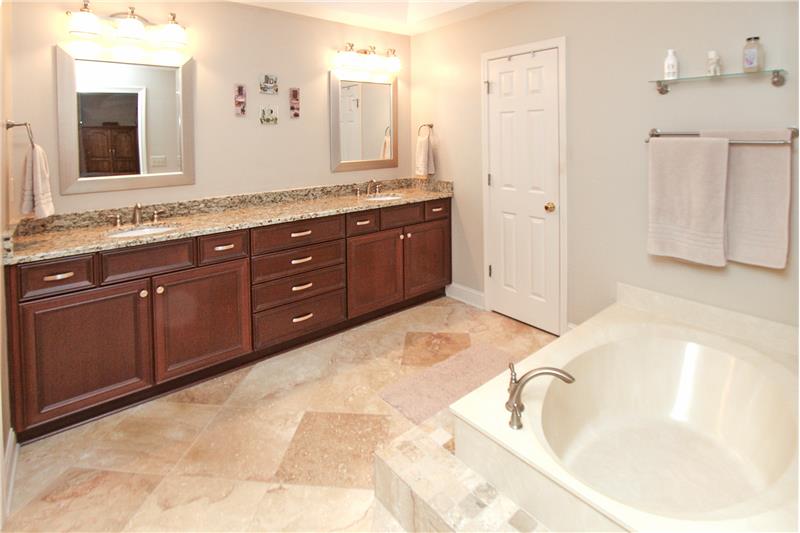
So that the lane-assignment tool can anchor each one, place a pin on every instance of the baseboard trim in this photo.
(9, 469)
(466, 295)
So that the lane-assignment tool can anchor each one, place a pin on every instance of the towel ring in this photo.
(387, 130)
(419, 130)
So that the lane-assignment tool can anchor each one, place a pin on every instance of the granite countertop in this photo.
(52, 244)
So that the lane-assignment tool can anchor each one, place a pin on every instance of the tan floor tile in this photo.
(333, 449)
(245, 443)
(151, 439)
(85, 500)
(212, 392)
(288, 508)
(425, 349)
(199, 504)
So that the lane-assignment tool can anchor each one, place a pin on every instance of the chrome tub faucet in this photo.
(514, 403)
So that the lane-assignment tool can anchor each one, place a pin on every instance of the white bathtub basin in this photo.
(671, 427)
(668, 426)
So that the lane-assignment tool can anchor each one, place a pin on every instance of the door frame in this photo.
(560, 44)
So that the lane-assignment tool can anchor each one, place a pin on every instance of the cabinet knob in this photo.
(402, 236)
(143, 294)
(160, 289)
(408, 235)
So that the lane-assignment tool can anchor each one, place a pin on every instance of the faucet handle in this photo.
(118, 220)
(513, 378)
(156, 214)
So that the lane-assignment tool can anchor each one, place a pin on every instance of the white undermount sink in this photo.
(140, 231)
(383, 197)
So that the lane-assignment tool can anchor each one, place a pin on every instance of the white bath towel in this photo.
(425, 156)
(687, 199)
(386, 149)
(36, 196)
(758, 197)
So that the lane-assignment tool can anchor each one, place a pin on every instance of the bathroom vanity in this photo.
(93, 332)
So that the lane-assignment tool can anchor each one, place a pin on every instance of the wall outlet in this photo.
(158, 160)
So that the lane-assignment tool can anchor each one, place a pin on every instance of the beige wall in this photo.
(232, 44)
(612, 50)
(5, 412)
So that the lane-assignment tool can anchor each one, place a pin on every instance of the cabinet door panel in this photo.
(374, 271)
(426, 257)
(202, 317)
(83, 349)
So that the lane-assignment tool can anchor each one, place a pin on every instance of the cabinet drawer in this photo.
(282, 264)
(401, 215)
(299, 287)
(363, 222)
(56, 277)
(292, 234)
(223, 247)
(435, 209)
(294, 320)
(142, 261)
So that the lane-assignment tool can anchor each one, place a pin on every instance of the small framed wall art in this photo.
(268, 84)
(294, 102)
(240, 99)
(269, 115)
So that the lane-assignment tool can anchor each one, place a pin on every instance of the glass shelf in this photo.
(777, 78)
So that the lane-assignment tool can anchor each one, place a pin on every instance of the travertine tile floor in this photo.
(285, 444)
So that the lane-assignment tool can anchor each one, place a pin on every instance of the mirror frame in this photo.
(70, 180)
(337, 165)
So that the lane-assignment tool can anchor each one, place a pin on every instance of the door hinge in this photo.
(490, 271)
(488, 86)
(490, 179)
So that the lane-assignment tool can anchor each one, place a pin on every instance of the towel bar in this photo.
(655, 132)
(11, 124)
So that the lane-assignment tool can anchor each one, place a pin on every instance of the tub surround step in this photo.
(78, 233)
(427, 488)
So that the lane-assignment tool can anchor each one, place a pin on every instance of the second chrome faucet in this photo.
(514, 403)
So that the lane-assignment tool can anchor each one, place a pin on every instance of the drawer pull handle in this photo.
(302, 260)
(362, 222)
(303, 318)
(437, 209)
(301, 233)
(298, 288)
(223, 247)
(59, 277)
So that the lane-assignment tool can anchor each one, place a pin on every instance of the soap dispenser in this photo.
(671, 65)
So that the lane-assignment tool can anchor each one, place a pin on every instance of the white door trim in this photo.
(559, 43)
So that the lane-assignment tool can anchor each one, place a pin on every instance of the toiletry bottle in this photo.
(713, 64)
(753, 55)
(671, 65)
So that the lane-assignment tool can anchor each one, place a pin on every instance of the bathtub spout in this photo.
(515, 386)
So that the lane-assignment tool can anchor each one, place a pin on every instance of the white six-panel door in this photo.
(523, 217)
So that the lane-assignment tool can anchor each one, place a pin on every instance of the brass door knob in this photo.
(549, 207)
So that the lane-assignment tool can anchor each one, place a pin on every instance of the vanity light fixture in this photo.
(130, 26)
(84, 23)
(367, 60)
(173, 34)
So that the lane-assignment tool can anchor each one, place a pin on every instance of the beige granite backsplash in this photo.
(79, 233)
(106, 217)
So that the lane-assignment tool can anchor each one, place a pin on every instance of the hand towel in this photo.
(386, 149)
(425, 155)
(36, 196)
(758, 197)
(687, 199)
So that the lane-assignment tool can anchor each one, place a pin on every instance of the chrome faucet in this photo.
(137, 214)
(515, 386)
(370, 184)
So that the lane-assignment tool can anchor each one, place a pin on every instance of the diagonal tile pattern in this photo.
(285, 444)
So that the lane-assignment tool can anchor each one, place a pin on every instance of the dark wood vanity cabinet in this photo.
(201, 317)
(82, 349)
(95, 332)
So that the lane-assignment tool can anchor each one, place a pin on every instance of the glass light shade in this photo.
(354, 61)
(130, 28)
(84, 24)
(393, 64)
(173, 34)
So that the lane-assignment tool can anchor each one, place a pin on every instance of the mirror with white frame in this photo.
(123, 125)
(363, 124)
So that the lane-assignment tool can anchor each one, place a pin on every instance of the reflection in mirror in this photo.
(365, 120)
(128, 119)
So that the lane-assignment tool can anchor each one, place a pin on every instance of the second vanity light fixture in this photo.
(367, 59)
(129, 26)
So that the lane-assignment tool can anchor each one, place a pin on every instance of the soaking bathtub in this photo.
(681, 417)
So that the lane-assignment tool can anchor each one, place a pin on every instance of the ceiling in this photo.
(407, 17)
